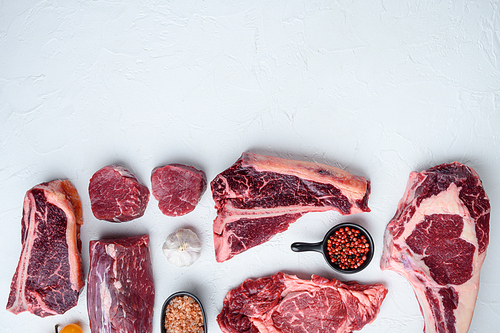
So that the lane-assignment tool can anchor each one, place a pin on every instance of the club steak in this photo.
(178, 188)
(116, 195)
(259, 196)
(437, 240)
(120, 289)
(283, 303)
(49, 276)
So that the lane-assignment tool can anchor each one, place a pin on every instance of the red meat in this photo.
(283, 303)
(116, 195)
(178, 188)
(259, 196)
(49, 276)
(120, 287)
(437, 240)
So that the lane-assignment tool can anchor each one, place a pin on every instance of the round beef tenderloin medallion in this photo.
(116, 195)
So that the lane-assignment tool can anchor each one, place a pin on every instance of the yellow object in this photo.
(71, 328)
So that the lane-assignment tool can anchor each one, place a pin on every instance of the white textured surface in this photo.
(379, 88)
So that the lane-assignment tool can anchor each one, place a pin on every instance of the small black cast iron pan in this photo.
(322, 248)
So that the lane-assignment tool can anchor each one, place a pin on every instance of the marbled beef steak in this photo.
(437, 240)
(49, 276)
(259, 196)
(178, 188)
(116, 195)
(283, 303)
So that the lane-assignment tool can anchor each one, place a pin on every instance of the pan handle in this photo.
(301, 247)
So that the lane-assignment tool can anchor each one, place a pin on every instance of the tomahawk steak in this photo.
(437, 240)
(49, 276)
(178, 188)
(116, 195)
(259, 196)
(120, 288)
(283, 303)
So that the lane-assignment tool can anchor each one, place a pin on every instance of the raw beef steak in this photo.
(178, 188)
(49, 276)
(120, 289)
(259, 196)
(285, 303)
(437, 240)
(116, 195)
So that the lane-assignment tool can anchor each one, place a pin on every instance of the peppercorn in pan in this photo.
(347, 248)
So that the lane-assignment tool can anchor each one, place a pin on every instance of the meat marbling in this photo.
(120, 288)
(259, 196)
(437, 240)
(178, 188)
(283, 303)
(49, 276)
(116, 195)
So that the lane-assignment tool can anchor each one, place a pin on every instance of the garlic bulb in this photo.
(182, 247)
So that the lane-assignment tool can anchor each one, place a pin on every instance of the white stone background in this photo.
(378, 88)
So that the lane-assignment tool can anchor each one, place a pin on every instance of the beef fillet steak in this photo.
(116, 195)
(178, 188)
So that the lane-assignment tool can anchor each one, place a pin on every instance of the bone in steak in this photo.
(437, 240)
(49, 276)
(285, 303)
(116, 195)
(259, 196)
(120, 289)
(178, 188)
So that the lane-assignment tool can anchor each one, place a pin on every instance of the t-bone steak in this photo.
(283, 303)
(437, 240)
(259, 196)
(178, 188)
(49, 276)
(116, 195)
(120, 288)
